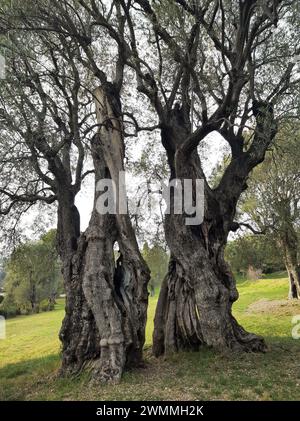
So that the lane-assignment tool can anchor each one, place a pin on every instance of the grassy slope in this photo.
(29, 359)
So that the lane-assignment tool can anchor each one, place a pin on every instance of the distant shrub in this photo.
(1, 298)
(9, 309)
(45, 305)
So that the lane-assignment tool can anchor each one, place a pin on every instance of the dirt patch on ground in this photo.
(278, 307)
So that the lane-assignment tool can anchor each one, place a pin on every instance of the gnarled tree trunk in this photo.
(106, 302)
(116, 294)
(106, 305)
(195, 303)
(78, 334)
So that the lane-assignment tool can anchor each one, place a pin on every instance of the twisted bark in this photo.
(78, 334)
(195, 303)
(117, 296)
(106, 304)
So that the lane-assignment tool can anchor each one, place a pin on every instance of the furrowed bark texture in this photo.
(195, 303)
(106, 301)
(116, 292)
(78, 334)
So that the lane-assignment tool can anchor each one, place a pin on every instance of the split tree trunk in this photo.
(195, 303)
(117, 296)
(106, 306)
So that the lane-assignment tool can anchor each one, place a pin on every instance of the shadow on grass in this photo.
(49, 365)
(206, 374)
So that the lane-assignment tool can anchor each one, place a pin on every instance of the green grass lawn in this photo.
(29, 360)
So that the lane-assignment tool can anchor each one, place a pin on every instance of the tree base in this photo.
(187, 318)
(109, 368)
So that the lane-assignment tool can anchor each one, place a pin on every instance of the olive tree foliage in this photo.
(271, 202)
(44, 117)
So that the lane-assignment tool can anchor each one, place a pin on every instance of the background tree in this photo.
(32, 276)
(157, 260)
(257, 251)
(272, 201)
